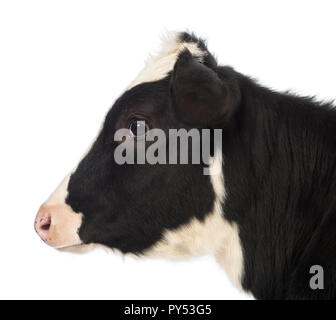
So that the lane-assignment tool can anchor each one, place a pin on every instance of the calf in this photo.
(266, 207)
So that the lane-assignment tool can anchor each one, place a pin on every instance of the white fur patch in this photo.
(65, 223)
(229, 253)
(157, 67)
(60, 193)
(215, 235)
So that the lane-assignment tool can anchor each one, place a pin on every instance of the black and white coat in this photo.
(268, 215)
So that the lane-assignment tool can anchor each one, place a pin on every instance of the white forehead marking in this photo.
(157, 67)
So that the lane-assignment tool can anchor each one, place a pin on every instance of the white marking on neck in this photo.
(215, 235)
(229, 254)
(216, 176)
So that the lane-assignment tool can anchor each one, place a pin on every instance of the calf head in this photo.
(162, 209)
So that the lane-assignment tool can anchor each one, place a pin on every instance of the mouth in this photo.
(77, 248)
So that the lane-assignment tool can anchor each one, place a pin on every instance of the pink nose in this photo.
(58, 224)
(43, 222)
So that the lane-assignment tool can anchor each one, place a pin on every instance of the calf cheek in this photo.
(123, 232)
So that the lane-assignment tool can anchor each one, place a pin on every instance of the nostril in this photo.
(44, 223)
(45, 226)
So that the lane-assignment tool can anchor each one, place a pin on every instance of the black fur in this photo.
(280, 160)
(279, 166)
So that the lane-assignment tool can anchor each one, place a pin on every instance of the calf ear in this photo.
(199, 96)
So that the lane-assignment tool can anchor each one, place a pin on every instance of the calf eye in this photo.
(138, 128)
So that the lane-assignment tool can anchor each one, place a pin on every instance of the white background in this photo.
(62, 64)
